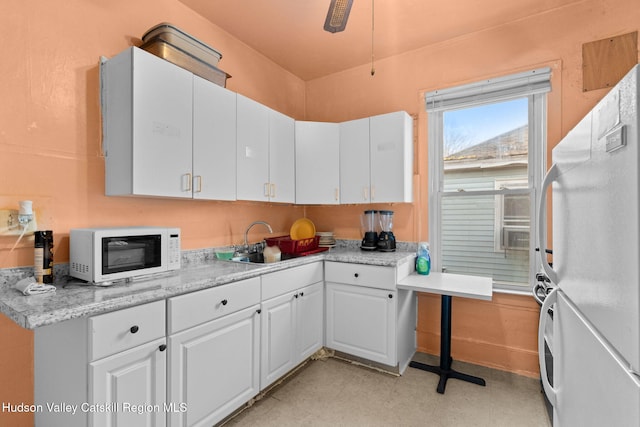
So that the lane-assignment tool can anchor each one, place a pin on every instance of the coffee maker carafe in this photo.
(386, 239)
(369, 223)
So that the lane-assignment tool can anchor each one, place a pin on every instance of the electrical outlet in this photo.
(10, 226)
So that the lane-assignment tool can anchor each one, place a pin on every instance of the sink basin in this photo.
(258, 258)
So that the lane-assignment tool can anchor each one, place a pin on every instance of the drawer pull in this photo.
(390, 296)
(301, 294)
(224, 302)
(258, 311)
(134, 329)
(356, 275)
(162, 347)
(295, 295)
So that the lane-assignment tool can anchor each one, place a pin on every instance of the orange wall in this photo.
(549, 39)
(50, 120)
(50, 137)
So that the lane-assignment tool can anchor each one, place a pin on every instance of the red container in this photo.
(289, 246)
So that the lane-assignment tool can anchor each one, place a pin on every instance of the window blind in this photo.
(491, 90)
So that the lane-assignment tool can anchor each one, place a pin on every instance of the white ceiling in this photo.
(290, 32)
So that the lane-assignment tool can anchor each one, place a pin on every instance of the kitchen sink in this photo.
(258, 258)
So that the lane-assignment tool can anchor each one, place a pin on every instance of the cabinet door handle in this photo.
(266, 189)
(373, 192)
(272, 190)
(224, 302)
(365, 193)
(258, 311)
(188, 175)
(301, 294)
(295, 295)
(390, 296)
(356, 275)
(337, 194)
(199, 180)
(134, 329)
(162, 347)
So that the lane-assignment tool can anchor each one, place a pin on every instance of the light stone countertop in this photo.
(74, 299)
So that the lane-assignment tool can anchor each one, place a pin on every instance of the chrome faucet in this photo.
(246, 242)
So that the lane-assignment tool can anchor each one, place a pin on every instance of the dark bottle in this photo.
(43, 256)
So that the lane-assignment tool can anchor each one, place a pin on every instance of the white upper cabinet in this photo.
(214, 141)
(252, 150)
(167, 133)
(354, 162)
(282, 172)
(317, 163)
(391, 145)
(376, 159)
(265, 153)
(147, 112)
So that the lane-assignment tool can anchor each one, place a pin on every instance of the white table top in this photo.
(456, 285)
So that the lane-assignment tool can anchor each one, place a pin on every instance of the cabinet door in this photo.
(147, 113)
(317, 163)
(214, 368)
(214, 141)
(252, 150)
(278, 334)
(309, 321)
(354, 161)
(391, 158)
(361, 322)
(133, 384)
(282, 175)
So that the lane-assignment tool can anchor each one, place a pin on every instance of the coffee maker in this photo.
(386, 239)
(369, 223)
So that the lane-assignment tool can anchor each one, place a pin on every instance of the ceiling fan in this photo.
(337, 15)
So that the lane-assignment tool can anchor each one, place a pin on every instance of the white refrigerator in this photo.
(595, 338)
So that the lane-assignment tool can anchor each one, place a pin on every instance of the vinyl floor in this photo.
(334, 392)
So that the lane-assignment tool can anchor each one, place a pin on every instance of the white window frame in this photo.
(532, 84)
(498, 228)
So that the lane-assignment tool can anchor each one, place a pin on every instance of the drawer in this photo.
(121, 330)
(372, 276)
(281, 282)
(187, 311)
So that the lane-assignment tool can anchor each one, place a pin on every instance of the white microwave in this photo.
(100, 255)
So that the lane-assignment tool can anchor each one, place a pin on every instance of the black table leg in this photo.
(444, 370)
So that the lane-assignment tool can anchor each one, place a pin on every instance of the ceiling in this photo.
(290, 32)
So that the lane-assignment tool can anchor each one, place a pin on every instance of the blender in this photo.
(368, 222)
(386, 239)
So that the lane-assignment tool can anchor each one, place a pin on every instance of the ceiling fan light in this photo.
(337, 16)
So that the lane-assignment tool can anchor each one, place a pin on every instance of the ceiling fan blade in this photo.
(337, 16)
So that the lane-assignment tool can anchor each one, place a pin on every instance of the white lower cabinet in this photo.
(361, 322)
(105, 370)
(366, 316)
(133, 383)
(194, 359)
(292, 320)
(309, 321)
(214, 368)
(214, 352)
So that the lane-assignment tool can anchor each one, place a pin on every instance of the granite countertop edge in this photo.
(73, 300)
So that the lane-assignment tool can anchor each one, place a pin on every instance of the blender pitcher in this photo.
(369, 222)
(386, 239)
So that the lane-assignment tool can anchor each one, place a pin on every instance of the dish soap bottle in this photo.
(423, 260)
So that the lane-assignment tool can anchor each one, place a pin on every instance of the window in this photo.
(512, 220)
(486, 151)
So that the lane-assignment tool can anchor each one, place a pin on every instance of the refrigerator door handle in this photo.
(551, 176)
(550, 299)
